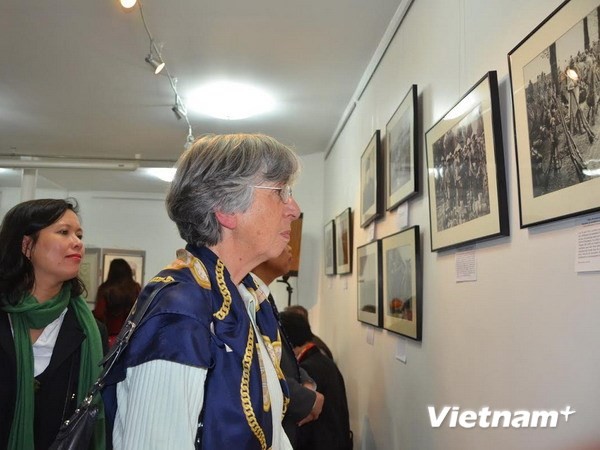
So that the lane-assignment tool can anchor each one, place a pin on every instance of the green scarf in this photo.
(29, 314)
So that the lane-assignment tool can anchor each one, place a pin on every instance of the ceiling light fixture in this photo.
(128, 3)
(156, 62)
(179, 109)
(230, 100)
(66, 164)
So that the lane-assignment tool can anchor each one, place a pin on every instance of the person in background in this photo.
(299, 309)
(116, 297)
(50, 345)
(331, 431)
(305, 402)
(203, 368)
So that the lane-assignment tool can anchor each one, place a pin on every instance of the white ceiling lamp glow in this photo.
(230, 101)
(163, 173)
(128, 3)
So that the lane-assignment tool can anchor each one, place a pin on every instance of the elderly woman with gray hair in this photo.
(202, 369)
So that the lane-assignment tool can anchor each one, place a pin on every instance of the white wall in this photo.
(525, 334)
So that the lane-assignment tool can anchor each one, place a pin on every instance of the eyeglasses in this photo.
(285, 192)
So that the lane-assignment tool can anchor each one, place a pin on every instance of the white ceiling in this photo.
(74, 83)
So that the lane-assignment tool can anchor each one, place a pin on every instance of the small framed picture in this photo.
(135, 259)
(371, 200)
(465, 167)
(555, 83)
(329, 245)
(369, 283)
(402, 287)
(402, 144)
(343, 242)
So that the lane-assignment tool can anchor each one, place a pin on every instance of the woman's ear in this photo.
(226, 220)
(26, 246)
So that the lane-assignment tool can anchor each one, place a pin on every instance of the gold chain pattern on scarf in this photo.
(226, 306)
(245, 392)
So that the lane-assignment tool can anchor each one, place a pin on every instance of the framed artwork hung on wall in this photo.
(402, 283)
(135, 259)
(371, 199)
(555, 85)
(368, 263)
(401, 150)
(329, 241)
(343, 242)
(465, 170)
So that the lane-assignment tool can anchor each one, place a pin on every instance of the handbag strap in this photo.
(133, 320)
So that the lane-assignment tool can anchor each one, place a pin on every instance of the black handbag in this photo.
(76, 432)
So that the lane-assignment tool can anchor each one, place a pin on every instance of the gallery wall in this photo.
(524, 335)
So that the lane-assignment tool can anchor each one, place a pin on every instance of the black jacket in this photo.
(56, 391)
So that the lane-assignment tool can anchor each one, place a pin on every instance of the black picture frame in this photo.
(329, 246)
(555, 88)
(343, 242)
(402, 302)
(369, 283)
(465, 170)
(371, 172)
(402, 151)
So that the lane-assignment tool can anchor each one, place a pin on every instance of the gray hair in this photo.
(217, 174)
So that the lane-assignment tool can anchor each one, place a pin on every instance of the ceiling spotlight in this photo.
(128, 3)
(179, 110)
(156, 62)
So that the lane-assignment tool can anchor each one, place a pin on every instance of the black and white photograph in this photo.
(460, 163)
(371, 206)
(465, 161)
(369, 283)
(556, 88)
(402, 303)
(401, 137)
(329, 244)
(343, 240)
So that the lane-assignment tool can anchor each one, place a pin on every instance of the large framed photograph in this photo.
(402, 283)
(371, 199)
(90, 274)
(402, 143)
(329, 241)
(465, 170)
(369, 283)
(343, 242)
(555, 84)
(135, 259)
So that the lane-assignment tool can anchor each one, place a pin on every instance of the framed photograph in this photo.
(371, 200)
(90, 274)
(329, 241)
(465, 170)
(402, 283)
(401, 144)
(369, 283)
(555, 84)
(135, 259)
(343, 242)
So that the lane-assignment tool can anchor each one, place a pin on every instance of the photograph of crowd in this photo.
(460, 172)
(562, 87)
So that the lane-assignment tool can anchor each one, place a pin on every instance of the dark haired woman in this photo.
(50, 345)
(116, 296)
